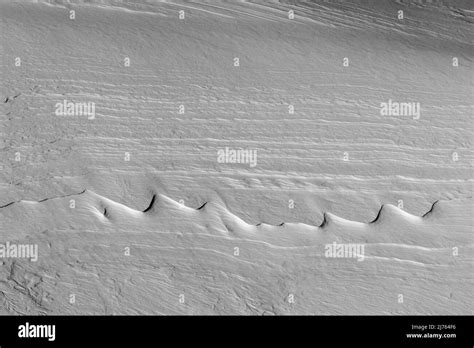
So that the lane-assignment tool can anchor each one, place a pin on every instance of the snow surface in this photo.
(133, 213)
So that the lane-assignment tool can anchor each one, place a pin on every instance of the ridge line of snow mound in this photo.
(213, 211)
(160, 202)
(109, 209)
(331, 219)
(42, 200)
(389, 212)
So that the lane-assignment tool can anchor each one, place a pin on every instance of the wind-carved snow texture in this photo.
(265, 157)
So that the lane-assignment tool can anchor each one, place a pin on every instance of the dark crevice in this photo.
(202, 206)
(151, 203)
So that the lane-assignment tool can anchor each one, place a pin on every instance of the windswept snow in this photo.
(237, 160)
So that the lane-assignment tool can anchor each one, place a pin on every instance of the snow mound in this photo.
(211, 213)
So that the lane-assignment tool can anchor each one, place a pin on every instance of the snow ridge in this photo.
(162, 204)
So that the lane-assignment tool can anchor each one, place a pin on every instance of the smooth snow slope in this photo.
(133, 213)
